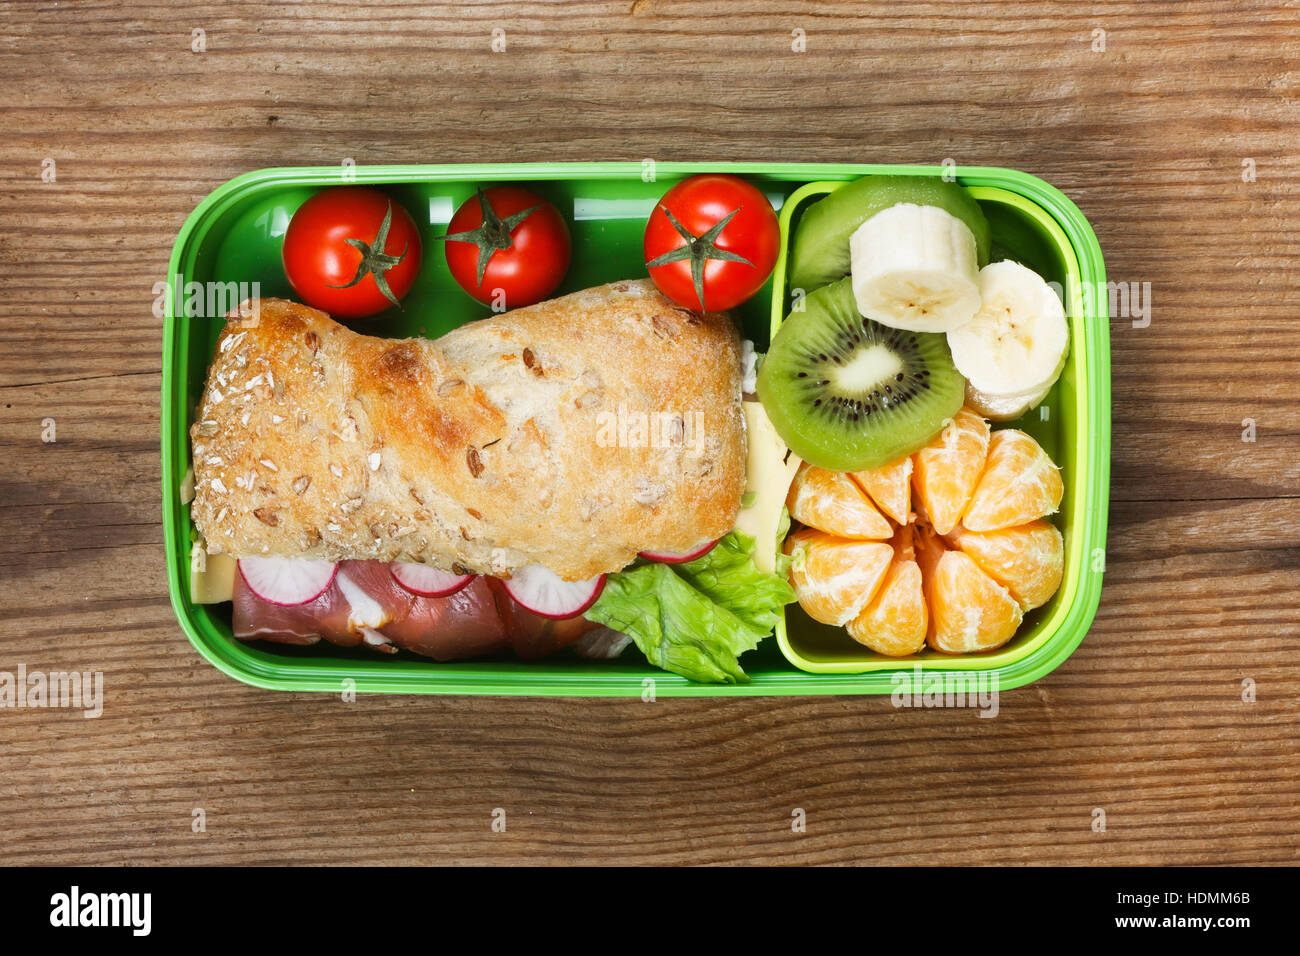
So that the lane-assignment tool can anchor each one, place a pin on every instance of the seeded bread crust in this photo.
(572, 434)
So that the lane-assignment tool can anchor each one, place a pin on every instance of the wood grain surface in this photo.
(1146, 721)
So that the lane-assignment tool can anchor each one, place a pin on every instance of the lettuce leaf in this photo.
(697, 618)
(783, 560)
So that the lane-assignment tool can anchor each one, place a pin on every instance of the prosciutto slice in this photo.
(327, 617)
(366, 605)
(531, 635)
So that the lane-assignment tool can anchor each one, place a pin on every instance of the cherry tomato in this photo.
(712, 241)
(508, 246)
(351, 251)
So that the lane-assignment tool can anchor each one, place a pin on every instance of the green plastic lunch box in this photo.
(231, 244)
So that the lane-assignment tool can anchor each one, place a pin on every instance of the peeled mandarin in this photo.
(835, 578)
(895, 622)
(830, 501)
(1028, 560)
(1019, 484)
(889, 487)
(948, 468)
(946, 547)
(969, 611)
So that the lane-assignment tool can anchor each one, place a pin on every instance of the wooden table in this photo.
(1155, 137)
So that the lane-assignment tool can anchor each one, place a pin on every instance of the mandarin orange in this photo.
(1028, 560)
(896, 622)
(830, 501)
(835, 578)
(969, 611)
(957, 574)
(889, 487)
(948, 468)
(1019, 484)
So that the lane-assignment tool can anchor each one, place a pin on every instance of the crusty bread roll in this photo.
(572, 434)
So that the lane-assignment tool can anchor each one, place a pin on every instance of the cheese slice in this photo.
(212, 576)
(769, 469)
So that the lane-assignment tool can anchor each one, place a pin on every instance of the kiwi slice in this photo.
(820, 253)
(847, 393)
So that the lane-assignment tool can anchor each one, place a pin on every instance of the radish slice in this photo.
(287, 581)
(543, 592)
(681, 557)
(426, 581)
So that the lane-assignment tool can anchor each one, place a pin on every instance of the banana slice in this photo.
(1004, 408)
(1013, 350)
(914, 267)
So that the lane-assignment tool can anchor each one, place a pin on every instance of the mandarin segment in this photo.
(1020, 484)
(890, 487)
(896, 621)
(835, 578)
(832, 502)
(969, 611)
(1028, 560)
(948, 468)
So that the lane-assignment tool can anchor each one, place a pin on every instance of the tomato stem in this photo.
(699, 249)
(374, 261)
(491, 234)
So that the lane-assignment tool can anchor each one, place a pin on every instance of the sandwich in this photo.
(571, 473)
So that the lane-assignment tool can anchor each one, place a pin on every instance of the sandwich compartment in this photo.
(233, 239)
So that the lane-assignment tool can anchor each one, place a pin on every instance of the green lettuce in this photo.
(697, 618)
(783, 560)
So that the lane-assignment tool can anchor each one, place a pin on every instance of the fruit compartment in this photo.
(235, 235)
(1072, 425)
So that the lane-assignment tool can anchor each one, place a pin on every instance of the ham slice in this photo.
(366, 605)
(464, 624)
(532, 635)
(327, 617)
